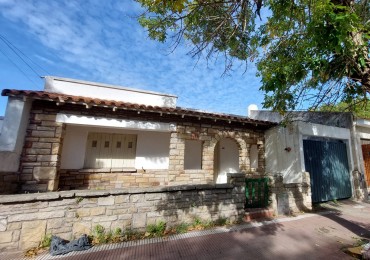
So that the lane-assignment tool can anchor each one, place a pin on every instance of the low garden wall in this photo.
(25, 219)
(290, 198)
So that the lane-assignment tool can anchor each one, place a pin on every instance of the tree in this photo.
(360, 108)
(308, 52)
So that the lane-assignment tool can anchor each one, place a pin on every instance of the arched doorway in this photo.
(226, 159)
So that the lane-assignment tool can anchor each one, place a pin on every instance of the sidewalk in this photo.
(308, 236)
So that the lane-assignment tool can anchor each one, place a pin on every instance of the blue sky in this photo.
(102, 41)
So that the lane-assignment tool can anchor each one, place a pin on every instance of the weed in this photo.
(197, 222)
(79, 199)
(182, 228)
(99, 236)
(156, 230)
(98, 229)
(221, 222)
(117, 231)
(208, 224)
(130, 235)
(116, 236)
(46, 241)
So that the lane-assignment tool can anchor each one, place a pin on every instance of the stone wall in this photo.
(8, 182)
(290, 198)
(26, 218)
(210, 135)
(102, 179)
(40, 158)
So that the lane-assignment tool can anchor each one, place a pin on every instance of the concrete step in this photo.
(258, 214)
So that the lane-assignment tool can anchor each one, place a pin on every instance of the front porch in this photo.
(69, 148)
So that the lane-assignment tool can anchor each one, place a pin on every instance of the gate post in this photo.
(238, 193)
(358, 185)
(290, 198)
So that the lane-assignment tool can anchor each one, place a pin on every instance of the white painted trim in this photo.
(111, 122)
(108, 92)
(48, 80)
(363, 135)
(362, 122)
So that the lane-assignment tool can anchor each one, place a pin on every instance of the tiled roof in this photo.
(88, 102)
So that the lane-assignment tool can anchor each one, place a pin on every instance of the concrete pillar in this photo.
(13, 133)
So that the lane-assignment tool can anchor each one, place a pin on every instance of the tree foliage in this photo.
(308, 52)
(360, 108)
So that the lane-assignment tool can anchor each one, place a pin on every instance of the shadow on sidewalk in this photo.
(345, 213)
(358, 228)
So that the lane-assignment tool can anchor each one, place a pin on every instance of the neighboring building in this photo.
(85, 135)
(362, 148)
(327, 145)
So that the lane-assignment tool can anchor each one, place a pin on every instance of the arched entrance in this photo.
(226, 159)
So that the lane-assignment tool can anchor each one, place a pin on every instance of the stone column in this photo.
(40, 159)
(243, 156)
(176, 158)
(261, 155)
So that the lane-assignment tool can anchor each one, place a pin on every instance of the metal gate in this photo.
(256, 192)
(327, 163)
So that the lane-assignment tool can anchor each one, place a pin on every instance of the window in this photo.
(193, 155)
(110, 150)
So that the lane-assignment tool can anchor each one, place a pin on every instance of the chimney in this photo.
(250, 108)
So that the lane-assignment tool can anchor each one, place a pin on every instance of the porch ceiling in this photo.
(61, 99)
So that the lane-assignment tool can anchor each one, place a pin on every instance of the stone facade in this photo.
(176, 174)
(100, 179)
(210, 135)
(25, 219)
(40, 161)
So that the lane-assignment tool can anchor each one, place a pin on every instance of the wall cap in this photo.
(34, 197)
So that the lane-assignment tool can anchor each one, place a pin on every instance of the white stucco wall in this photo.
(228, 159)
(116, 123)
(291, 163)
(108, 92)
(363, 132)
(13, 133)
(152, 150)
(1, 123)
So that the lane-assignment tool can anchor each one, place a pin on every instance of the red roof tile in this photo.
(62, 98)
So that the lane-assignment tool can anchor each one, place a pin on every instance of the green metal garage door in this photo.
(327, 163)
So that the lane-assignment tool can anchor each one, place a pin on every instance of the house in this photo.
(327, 146)
(85, 135)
